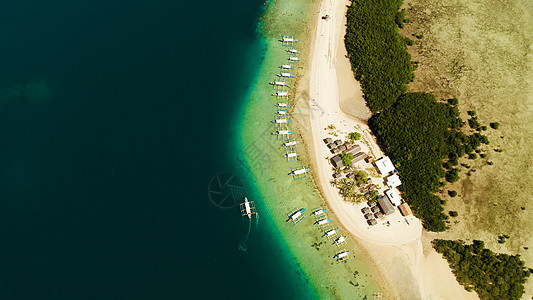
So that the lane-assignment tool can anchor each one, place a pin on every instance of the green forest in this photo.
(377, 51)
(423, 136)
(491, 275)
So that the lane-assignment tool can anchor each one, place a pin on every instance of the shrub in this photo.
(354, 136)
(452, 193)
(494, 125)
(453, 101)
(472, 156)
(453, 213)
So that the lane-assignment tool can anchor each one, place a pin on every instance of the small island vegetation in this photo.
(491, 275)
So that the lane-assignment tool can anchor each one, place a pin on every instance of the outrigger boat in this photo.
(248, 208)
(291, 154)
(288, 40)
(293, 51)
(282, 132)
(319, 212)
(279, 83)
(294, 58)
(287, 67)
(323, 221)
(281, 121)
(282, 94)
(341, 256)
(340, 241)
(299, 171)
(330, 233)
(281, 104)
(286, 75)
(291, 143)
(282, 112)
(296, 215)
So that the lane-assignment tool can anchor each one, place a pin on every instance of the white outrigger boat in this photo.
(341, 241)
(282, 112)
(248, 208)
(281, 121)
(340, 257)
(282, 94)
(279, 83)
(282, 104)
(299, 172)
(287, 67)
(293, 51)
(290, 143)
(296, 215)
(288, 40)
(286, 75)
(323, 222)
(330, 233)
(319, 212)
(282, 132)
(294, 58)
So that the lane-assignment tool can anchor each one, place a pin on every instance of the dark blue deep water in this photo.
(114, 116)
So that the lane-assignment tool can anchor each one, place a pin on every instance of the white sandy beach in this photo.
(395, 243)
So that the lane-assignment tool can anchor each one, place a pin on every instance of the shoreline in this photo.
(387, 246)
(281, 193)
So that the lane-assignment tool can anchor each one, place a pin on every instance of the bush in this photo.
(494, 125)
(471, 113)
(453, 101)
(347, 159)
(452, 175)
(354, 136)
(452, 193)
(472, 156)
(453, 213)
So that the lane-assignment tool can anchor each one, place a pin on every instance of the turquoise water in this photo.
(114, 118)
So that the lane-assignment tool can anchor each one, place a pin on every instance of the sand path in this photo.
(395, 243)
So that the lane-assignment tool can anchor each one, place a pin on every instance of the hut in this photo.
(372, 222)
(393, 197)
(337, 175)
(358, 157)
(336, 161)
(385, 165)
(365, 210)
(393, 181)
(369, 216)
(331, 145)
(341, 148)
(328, 140)
(354, 149)
(374, 209)
(350, 175)
(378, 215)
(405, 210)
(338, 143)
(385, 206)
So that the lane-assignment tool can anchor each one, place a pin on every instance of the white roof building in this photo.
(385, 165)
(393, 181)
(393, 197)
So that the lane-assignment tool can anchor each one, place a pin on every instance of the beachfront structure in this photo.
(336, 161)
(354, 149)
(372, 222)
(385, 165)
(385, 206)
(393, 181)
(378, 215)
(369, 216)
(374, 209)
(358, 157)
(328, 141)
(338, 143)
(405, 210)
(393, 197)
(341, 148)
(365, 210)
